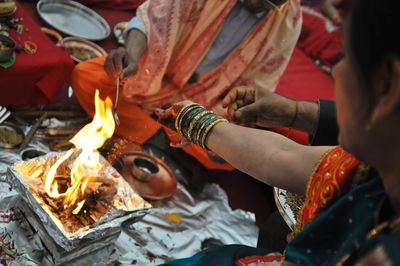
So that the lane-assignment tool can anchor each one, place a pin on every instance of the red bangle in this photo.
(30, 47)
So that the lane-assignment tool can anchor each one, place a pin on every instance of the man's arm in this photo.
(250, 106)
(124, 60)
(327, 130)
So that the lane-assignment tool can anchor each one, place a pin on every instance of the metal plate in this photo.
(284, 208)
(81, 49)
(74, 19)
(7, 128)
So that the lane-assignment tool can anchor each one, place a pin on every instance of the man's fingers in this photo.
(231, 113)
(118, 61)
(109, 64)
(129, 70)
(247, 113)
(237, 93)
(229, 98)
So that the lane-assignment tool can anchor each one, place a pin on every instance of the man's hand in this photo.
(254, 106)
(123, 62)
(118, 62)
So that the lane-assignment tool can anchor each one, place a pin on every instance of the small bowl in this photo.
(144, 168)
(31, 153)
(80, 49)
(11, 136)
(12, 7)
(7, 48)
(149, 176)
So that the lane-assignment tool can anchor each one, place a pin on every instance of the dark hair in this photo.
(373, 36)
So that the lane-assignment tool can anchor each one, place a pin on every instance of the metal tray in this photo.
(74, 19)
(81, 49)
(284, 208)
(13, 129)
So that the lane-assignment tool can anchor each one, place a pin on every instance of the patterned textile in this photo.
(346, 226)
(179, 35)
(337, 172)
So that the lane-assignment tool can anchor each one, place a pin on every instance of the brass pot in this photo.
(144, 168)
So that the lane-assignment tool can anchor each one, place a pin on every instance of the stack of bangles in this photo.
(194, 123)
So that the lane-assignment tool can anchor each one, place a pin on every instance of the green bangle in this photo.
(183, 127)
(184, 110)
(202, 125)
(208, 130)
(194, 122)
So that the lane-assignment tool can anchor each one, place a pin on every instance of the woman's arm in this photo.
(267, 156)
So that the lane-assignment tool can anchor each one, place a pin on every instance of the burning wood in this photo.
(78, 187)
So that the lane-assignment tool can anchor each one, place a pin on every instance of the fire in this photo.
(87, 163)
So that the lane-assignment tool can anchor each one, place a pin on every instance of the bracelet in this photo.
(203, 127)
(195, 121)
(183, 118)
(208, 130)
(30, 47)
(182, 112)
(201, 124)
(187, 120)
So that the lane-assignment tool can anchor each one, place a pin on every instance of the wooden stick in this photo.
(31, 132)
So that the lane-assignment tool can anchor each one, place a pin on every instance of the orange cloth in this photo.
(136, 125)
(336, 174)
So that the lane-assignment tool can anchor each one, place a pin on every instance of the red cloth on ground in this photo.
(34, 78)
(126, 5)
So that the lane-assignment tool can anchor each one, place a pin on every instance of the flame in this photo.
(87, 163)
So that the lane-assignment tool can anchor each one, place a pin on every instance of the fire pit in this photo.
(94, 226)
(76, 199)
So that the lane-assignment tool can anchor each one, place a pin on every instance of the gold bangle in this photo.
(208, 129)
(193, 123)
(180, 112)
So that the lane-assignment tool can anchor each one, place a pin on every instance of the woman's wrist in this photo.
(194, 123)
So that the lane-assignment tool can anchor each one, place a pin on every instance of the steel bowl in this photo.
(6, 53)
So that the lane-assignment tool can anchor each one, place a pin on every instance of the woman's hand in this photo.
(254, 106)
(168, 116)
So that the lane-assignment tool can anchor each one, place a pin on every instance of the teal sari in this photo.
(339, 235)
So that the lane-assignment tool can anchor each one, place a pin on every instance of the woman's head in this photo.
(368, 78)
